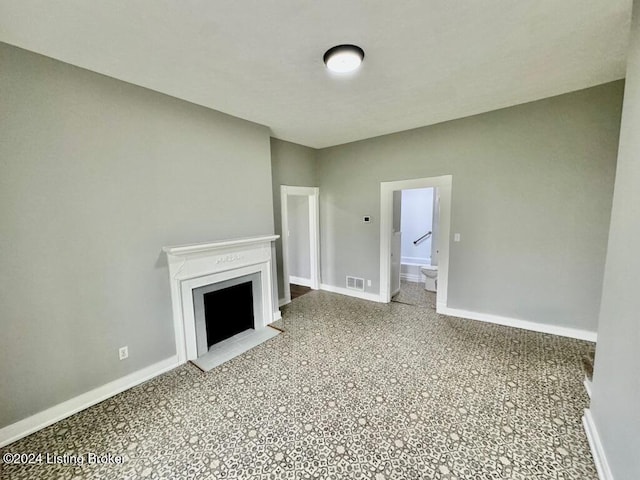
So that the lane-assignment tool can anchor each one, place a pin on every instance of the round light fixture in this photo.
(343, 58)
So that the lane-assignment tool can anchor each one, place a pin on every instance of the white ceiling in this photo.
(426, 61)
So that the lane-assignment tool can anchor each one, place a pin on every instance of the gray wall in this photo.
(616, 382)
(293, 165)
(96, 175)
(299, 255)
(532, 188)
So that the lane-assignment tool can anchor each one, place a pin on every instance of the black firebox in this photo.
(228, 312)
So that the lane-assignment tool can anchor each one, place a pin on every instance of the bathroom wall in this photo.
(417, 215)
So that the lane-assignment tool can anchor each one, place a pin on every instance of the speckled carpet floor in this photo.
(352, 389)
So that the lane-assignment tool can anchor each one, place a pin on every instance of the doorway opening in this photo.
(300, 239)
(416, 228)
(425, 258)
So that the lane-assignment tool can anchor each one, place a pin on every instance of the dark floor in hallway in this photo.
(298, 290)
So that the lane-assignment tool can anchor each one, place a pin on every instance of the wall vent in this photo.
(355, 283)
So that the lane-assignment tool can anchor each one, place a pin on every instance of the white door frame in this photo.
(443, 183)
(314, 234)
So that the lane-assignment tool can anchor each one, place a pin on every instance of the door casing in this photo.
(444, 184)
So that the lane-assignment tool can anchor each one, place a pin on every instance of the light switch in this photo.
(456, 237)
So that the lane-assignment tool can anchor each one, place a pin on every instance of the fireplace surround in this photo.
(194, 266)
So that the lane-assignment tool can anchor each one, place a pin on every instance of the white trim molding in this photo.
(351, 293)
(587, 386)
(444, 185)
(283, 301)
(517, 323)
(29, 425)
(314, 235)
(304, 282)
(597, 451)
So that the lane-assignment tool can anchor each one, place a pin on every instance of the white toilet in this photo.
(431, 277)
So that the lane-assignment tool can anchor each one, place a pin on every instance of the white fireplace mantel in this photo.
(197, 265)
(183, 250)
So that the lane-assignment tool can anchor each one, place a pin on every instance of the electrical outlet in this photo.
(123, 352)
(368, 283)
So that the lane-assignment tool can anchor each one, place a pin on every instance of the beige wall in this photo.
(96, 175)
(532, 188)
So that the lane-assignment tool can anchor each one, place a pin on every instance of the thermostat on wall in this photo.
(366, 219)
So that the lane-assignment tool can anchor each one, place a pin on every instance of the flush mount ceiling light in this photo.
(343, 58)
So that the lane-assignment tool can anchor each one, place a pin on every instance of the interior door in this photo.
(299, 251)
(396, 243)
(435, 227)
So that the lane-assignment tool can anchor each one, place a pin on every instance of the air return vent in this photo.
(355, 283)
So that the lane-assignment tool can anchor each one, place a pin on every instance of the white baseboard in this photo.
(374, 297)
(277, 315)
(587, 386)
(410, 277)
(283, 301)
(517, 323)
(305, 282)
(29, 425)
(599, 457)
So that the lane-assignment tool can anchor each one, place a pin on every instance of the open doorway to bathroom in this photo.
(414, 254)
(416, 222)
